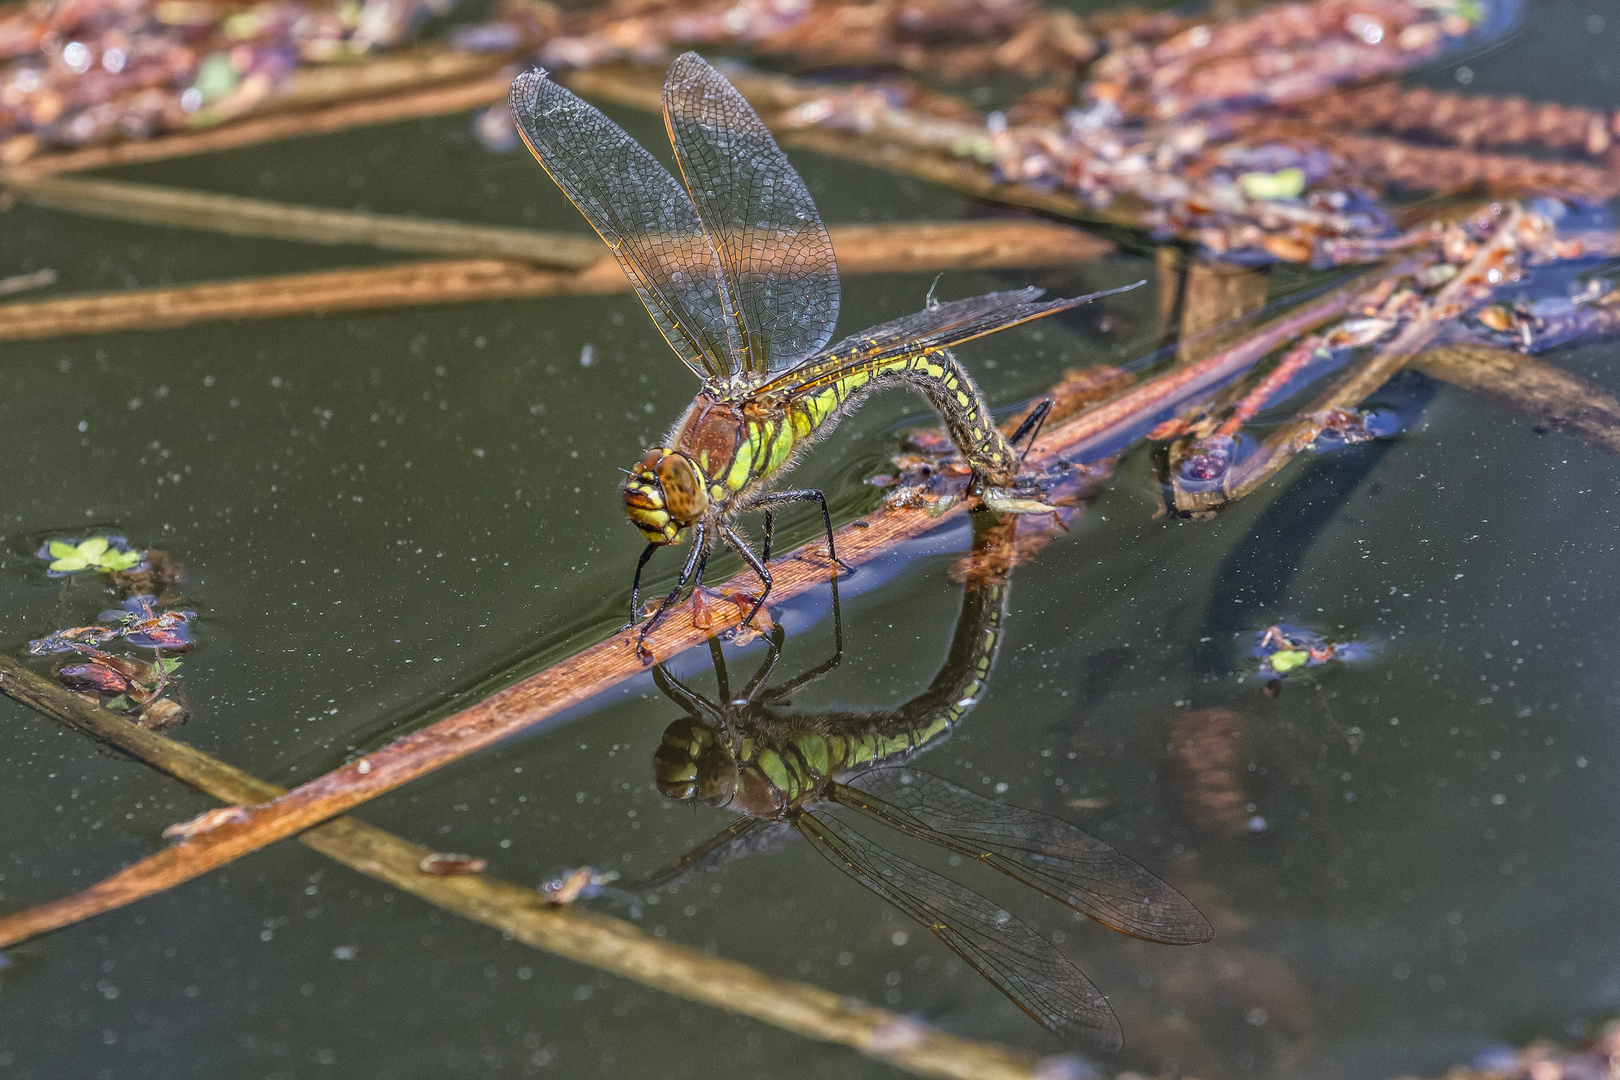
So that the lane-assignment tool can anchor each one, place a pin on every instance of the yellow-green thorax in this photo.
(726, 449)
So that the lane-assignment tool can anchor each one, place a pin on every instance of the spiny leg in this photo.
(740, 546)
(1031, 426)
(691, 571)
(773, 653)
(776, 694)
(776, 498)
(635, 586)
(722, 683)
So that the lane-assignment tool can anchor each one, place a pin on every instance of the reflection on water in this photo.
(818, 773)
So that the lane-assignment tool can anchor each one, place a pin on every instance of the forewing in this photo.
(1044, 852)
(640, 210)
(775, 252)
(930, 330)
(1022, 964)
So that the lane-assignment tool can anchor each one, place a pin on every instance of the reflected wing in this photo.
(1044, 852)
(742, 838)
(640, 210)
(1022, 964)
(775, 252)
(930, 330)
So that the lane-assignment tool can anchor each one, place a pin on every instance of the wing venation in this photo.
(1021, 963)
(642, 212)
(1044, 852)
(774, 250)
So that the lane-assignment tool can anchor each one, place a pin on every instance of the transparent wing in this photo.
(930, 330)
(742, 838)
(1022, 964)
(640, 210)
(1044, 852)
(775, 252)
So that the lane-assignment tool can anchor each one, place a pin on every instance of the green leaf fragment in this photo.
(1282, 184)
(70, 563)
(1286, 660)
(118, 560)
(94, 547)
(61, 549)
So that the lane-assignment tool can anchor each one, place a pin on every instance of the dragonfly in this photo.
(736, 268)
(824, 775)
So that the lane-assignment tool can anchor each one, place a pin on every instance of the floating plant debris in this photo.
(107, 554)
(143, 625)
(581, 883)
(444, 864)
(1284, 649)
(78, 72)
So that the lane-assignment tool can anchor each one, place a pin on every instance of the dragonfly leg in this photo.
(1032, 427)
(800, 495)
(692, 571)
(635, 587)
(740, 546)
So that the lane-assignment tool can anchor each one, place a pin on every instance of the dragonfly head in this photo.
(694, 763)
(664, 494)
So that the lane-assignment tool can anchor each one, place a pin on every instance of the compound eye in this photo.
(683, 490)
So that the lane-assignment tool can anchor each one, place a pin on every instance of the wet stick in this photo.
(586, 937)
(1548, 396)
(862, 249)
(236, 216)
(528, 703)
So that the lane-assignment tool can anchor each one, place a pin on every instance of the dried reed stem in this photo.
(433, 101)
(237, 216)
(600, 941)
(1360, 380)
(862, 249)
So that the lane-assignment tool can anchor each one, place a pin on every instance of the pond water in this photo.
(380, 514)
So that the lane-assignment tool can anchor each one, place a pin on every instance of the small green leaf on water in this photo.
(1282, 184)
(121, 703)
(168, 665)
(119, 560)
(1286, 660)
(94, 548)
(69, 563)
(61, 549)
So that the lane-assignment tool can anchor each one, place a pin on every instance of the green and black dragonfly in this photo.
(737, 270)
(813, 773)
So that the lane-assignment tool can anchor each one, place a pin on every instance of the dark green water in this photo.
(376, 512)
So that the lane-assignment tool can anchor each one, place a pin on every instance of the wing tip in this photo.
(527, 85)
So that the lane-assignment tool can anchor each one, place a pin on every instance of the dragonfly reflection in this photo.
(820, 773)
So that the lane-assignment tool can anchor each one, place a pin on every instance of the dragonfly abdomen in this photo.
(936, 374)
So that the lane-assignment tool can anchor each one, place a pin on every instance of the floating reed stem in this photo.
(526, 704)
(1361, 379)
(586, 937)
(862, 249)
(151, 205)
(1548, 396)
